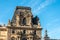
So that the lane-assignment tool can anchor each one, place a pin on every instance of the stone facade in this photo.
(23, 25)
(3, 33)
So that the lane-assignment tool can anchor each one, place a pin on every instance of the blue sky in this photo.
(48, 12)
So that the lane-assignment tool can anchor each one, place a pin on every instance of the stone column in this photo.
(17, 20)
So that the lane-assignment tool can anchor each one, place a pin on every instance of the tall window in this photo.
(34, 32)
(24, 31)
(21, 18)
(24, 21)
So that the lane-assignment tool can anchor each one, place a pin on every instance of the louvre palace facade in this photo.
(22, 26)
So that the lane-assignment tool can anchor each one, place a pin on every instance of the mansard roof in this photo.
(22, 7)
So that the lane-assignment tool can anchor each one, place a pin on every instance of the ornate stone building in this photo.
(23, 25)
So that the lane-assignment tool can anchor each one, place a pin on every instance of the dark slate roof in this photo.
(22, 7)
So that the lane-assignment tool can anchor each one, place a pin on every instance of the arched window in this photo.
(24, 39)
(12, 38)
(13, 31)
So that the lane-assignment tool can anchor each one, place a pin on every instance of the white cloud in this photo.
(33, 3)
(43, 5)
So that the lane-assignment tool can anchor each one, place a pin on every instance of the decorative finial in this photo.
(4, 25)
(46, 35)
(9, 23)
